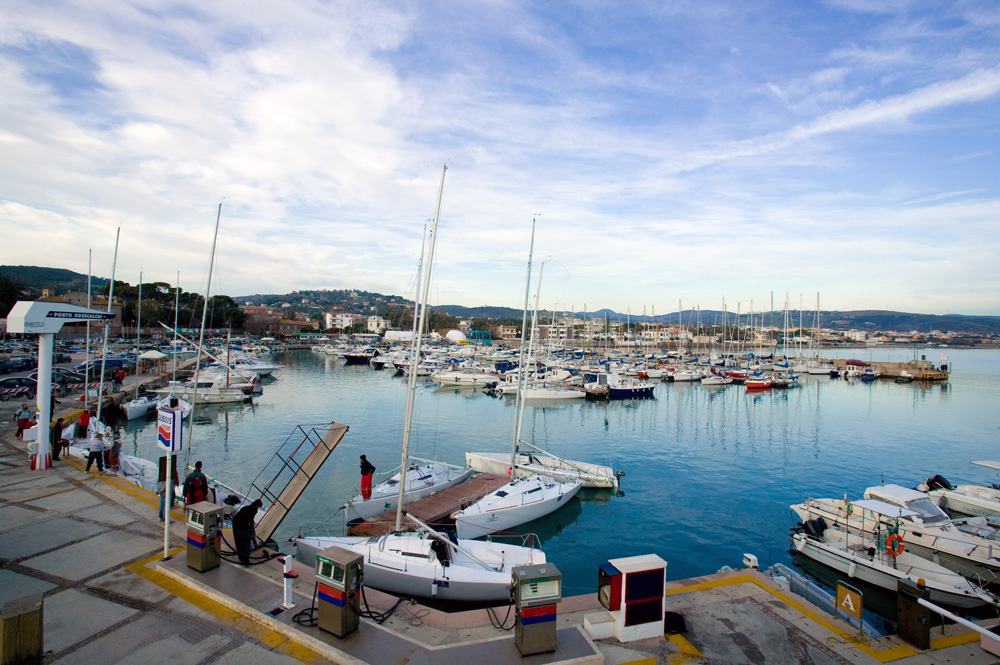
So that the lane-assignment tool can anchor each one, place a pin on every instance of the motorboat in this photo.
(620, 387)
(861, 556)
(520, 501)
(926, 531)
(423, 478)
(758, 382)
(211, 389)
(716, 380)
(544, 463)
(422, 565)
(974, 500)
(140, 407)
(463, 377)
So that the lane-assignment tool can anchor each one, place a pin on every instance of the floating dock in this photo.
(436, 509)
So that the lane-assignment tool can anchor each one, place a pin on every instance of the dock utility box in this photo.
(535, 591)
(631, 589)
(204, 528)
(339, 576)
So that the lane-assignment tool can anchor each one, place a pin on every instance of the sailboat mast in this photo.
(86, 356)
(414, 361)
(201, 338)
(518, 400)
(104, 353)
(177, 303)
(138, 336)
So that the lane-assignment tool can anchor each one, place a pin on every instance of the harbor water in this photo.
(710, 472)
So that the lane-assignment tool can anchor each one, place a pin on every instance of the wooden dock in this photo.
(436, 509)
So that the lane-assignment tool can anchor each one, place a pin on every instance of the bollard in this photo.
(21, 631)
(290, 577)
(913, 619)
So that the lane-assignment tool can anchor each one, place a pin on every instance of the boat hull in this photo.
(382, 502)
(594, 476)
(425, 577)
(856, 565)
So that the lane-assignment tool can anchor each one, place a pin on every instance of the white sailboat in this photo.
(539, 461)
(427, 563)
(423, 478)
(522, 499)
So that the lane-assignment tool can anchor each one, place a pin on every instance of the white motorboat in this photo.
(926, 531)
(140, 407)
(975, 500)
(716, 380)
(463, 377)
(542, 462)
(860, 556)
(211, 389)
(419, 564)
(519, 501)
(423, 479)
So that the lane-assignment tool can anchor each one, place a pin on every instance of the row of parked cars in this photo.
(28, 385)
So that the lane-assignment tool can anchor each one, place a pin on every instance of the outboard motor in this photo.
(938, 482)
(814, 528)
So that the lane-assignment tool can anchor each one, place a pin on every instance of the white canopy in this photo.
(153, 355)
(883, 508)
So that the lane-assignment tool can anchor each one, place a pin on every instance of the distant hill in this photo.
(57, 280)
(481, 312)
(62, 281)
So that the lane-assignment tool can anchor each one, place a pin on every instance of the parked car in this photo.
(60, 377)
(14, 382)
(62, 358)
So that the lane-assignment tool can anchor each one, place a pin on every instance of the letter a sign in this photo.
(848, 601)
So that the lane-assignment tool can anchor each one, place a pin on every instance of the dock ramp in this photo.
(290, 471)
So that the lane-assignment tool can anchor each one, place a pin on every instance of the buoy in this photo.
(895, 545)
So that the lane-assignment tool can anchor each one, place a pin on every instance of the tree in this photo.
(10, 293)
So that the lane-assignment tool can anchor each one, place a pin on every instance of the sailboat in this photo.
(427, 563)
(522, 499)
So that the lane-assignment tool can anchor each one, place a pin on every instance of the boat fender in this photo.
(894, 544)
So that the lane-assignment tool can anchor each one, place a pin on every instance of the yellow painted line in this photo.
(269, 638)
(883, 656)
(954, 640)
(688, 652)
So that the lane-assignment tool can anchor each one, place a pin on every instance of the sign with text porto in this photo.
(170, 429)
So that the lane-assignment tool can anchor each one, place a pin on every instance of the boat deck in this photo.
(436, 509)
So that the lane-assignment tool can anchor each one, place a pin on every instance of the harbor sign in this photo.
(170, 429)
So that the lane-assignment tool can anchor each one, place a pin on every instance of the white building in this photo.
(338, 321)
(376, 324)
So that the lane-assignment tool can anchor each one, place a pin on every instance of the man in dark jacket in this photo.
(243, 526)
(189, 484)
(367, 470)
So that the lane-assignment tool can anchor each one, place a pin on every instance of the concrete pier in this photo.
(90, 544)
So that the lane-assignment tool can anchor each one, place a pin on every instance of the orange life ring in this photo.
(894, 544)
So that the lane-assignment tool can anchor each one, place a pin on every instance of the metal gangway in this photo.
(296, 462)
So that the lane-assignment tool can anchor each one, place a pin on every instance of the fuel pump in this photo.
(339, 576)
(535, 591)
(204, 526)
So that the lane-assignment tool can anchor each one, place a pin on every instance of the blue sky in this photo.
(673, 151)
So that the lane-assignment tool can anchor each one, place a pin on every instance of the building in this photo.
(377, 325)
(338, 320)
(79, 298)
(508, 332)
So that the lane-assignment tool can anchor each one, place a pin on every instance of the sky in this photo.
(703, 153)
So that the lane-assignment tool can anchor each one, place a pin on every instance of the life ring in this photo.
(894, 544)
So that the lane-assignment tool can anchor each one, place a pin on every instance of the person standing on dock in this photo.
(97, 448)
(243, 526)
(83, 425)
(195, 486)
(367, 471)
(23, 418)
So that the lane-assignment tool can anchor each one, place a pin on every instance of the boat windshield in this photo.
(929, 513)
